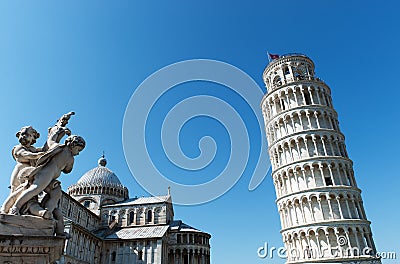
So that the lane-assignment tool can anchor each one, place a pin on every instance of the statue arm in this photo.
(59, 132)
(21, 154)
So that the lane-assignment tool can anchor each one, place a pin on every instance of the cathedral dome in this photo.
(100, 175)
(99, 181)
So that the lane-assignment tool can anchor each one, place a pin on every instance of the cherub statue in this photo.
(24, 154)
(59, 158)
(58, 131)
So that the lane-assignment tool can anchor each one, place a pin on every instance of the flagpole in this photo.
(269, 57)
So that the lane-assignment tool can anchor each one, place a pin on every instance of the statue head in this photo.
(75, 143)
(27, 135)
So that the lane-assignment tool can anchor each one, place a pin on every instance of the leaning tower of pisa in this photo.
(320, 206)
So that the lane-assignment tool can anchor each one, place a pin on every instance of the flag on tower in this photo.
(273, 56)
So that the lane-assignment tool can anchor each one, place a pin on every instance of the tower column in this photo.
(340, 207)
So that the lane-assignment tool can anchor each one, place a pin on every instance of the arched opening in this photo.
(185, 256)
(283, 105)
(328, 179)
(298, 74)
(131, 217)
(86, 203)
(277, 81)
(286, 70)
(307, 97)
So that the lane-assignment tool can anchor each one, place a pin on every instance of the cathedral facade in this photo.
(107, 227)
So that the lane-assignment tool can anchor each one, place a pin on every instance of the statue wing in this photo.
(43, 160)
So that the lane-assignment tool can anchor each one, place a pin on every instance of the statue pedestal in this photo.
(28, 239)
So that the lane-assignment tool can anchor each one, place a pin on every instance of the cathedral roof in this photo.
(139, 232)
(100, 181)
(178, 225)
(99, 176)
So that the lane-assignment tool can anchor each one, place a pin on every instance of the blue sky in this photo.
(89, 56)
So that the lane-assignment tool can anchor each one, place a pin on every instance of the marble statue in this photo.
(48, 168)
(25, 154)
(38, 169)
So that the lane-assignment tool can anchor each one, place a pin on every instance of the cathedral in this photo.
(105, 226)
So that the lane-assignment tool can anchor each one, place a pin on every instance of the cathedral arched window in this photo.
(113, 256)
(131, 216)
(86, 203)
(185, 257)
(113, 216)
(149, 216)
